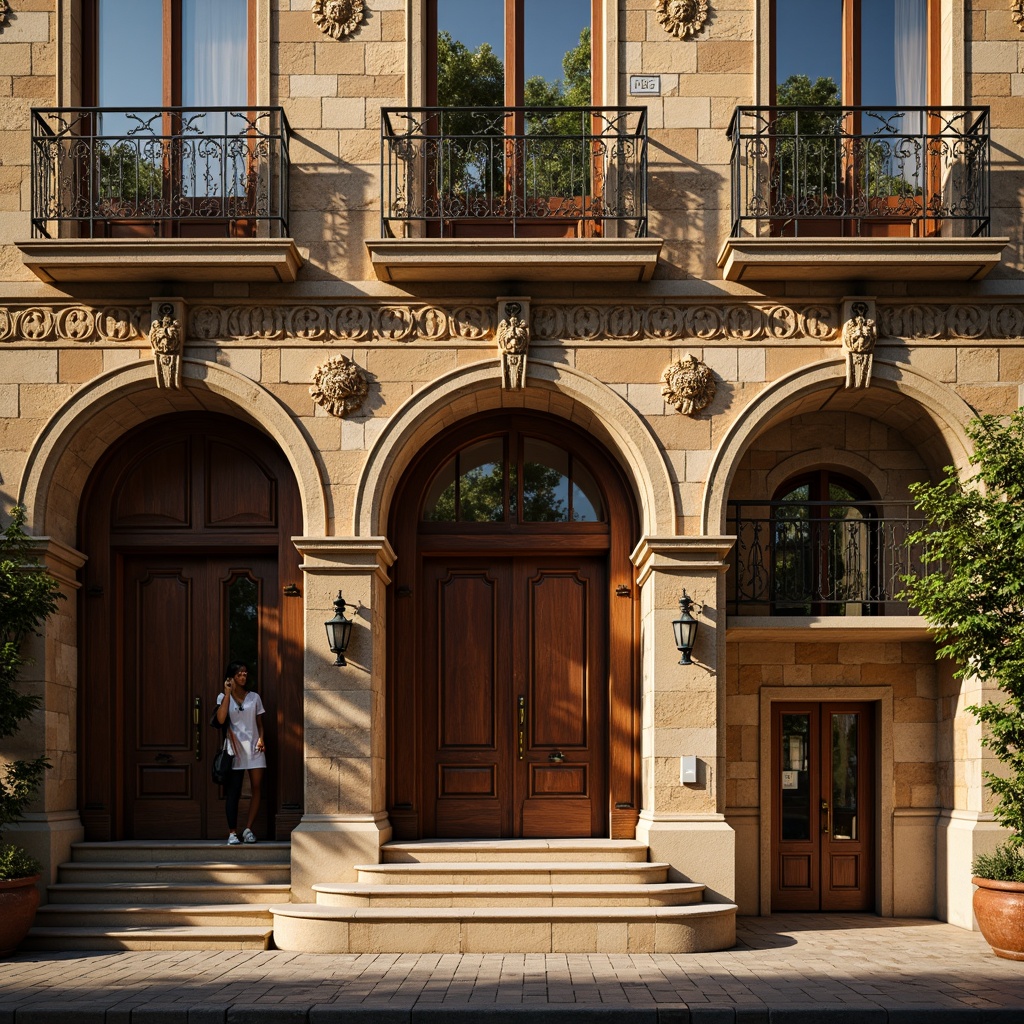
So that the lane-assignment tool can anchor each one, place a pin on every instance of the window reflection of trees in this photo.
(243, 625)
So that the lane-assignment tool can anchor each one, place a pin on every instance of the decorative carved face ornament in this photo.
(165, 337)
(683, 18)
(338, 18)
(689, 385)
(339, 386)
(513, 336)
(860, 333)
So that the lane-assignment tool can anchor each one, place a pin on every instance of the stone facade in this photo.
(76, 374)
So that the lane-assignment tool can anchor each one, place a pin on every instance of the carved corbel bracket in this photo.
(683, 18)
(338, 18)
(860, 333)
(513, 336)
(339, 386)
(689, 385)
(167, 339)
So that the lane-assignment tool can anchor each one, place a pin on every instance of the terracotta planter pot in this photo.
(18, 901)
(999, 908)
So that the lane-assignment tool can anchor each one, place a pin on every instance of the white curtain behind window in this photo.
(214, 57)
(910, 57)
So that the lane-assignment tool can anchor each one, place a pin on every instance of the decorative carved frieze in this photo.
(683, 18)
(165, 336)
(1017, 11)
(339, 386)
(72, 324)
(955, 322)
(338, 18)
(860, 333)
(513, 336)
(689, 385)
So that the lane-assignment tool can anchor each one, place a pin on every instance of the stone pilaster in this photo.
(345, 822)
(683, 711)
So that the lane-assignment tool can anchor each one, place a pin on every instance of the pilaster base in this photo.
(961, 836)
(48, 837)
(327, 847)
(699, 847)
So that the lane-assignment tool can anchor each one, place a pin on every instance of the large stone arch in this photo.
(100, 412)
(944, 417)
(558, 390)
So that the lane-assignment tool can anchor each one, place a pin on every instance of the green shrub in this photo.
(16, 863)
(1005, 864)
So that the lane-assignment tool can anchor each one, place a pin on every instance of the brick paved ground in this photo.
(787, 969)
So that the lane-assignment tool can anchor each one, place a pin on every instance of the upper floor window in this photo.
(872, 53)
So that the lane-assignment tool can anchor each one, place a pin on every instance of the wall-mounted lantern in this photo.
(685, 629)
(339, 630)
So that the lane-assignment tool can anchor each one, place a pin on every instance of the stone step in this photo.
(137, 851)
(456, 850)
(132, 915)
(312, 927)
(200, 893)
(513, 873)
(223, 871)
(144, 937)
(653, 895)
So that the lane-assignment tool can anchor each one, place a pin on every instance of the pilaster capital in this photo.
(680, 555)
(61, 560)
(346, 556)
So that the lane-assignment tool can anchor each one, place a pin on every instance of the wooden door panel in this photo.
(467, 698)
(560, 784)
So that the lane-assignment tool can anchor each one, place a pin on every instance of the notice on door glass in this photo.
(790, 780)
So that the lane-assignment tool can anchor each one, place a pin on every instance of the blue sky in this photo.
(552, 27)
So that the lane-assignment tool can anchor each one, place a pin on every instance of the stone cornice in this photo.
(351, 556)
(680, 555)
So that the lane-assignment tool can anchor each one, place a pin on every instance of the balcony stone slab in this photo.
(397, 260)
(826, 628)
(69, 260)
(749, 260)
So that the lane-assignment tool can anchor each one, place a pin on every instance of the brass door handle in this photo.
(196, 708)
(521, 704)
(827, 825)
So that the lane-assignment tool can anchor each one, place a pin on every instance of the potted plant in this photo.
(971, 590)
(28, 594)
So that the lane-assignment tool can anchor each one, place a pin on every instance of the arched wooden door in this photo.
(187, 525)
(512, 683)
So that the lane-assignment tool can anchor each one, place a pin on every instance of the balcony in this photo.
(834, 193)
(797, 563)
(518, 193)
(160, 193)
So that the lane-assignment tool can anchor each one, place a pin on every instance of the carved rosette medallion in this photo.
(165, 338)
(1017, 12)
(860, 333)
(338, 18)
(513, 337)
(339, 386)
(689, 385)
(683, 18)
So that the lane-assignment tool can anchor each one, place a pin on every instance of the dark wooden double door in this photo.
(823, 807)
(514, 723)
(187, 524)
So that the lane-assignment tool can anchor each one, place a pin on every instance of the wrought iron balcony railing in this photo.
(121, 172)
(512, 171)
(860, 171)
(821, 558)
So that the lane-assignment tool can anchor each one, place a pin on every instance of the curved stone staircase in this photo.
(164, 895)
(507, 896)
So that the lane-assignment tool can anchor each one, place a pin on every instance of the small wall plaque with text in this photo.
(645, 85)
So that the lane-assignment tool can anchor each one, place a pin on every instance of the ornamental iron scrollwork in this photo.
(689, 385)
(338, 18)
(683, 18)
(339, 386)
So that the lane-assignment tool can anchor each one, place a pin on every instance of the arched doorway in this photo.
(512, 693)
(187, 523)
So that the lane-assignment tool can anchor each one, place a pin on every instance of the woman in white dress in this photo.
(241, 712)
